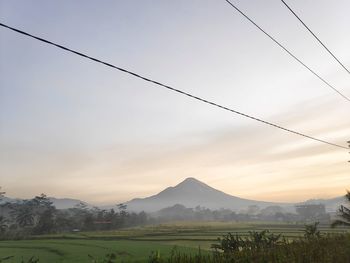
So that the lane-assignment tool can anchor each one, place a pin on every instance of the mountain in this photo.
(59, 203)
(5, 199)
(65, 203)
(192, 193)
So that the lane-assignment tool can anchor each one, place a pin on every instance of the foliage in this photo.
(343, 214)
(232, 243)
(1, 193)
(39, 216)
(154, 257)
(255, 247)
(311, 231)
(305, 213)
(317, 250)
(229, 243)
(3, 225)
(23, 214)
(312, 212)
(109, 258)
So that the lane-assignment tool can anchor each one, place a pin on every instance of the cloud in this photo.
(252, 161)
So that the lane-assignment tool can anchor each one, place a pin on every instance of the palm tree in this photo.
(343, 214)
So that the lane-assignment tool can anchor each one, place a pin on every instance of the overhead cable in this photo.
(169, 87)
(287, 51)
(313, 34)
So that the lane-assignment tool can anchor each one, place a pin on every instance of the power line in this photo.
(169, 87)
(287, 51)
(312, 33)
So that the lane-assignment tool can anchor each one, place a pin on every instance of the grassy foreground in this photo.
(328, 249)
(77, 251)
(136, 245)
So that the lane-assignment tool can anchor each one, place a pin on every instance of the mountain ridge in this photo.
(59, 203)
(191, 193)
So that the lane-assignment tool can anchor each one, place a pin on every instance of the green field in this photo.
(136, 244)
(65, 250)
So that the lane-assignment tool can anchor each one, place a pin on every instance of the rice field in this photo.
(136, 244)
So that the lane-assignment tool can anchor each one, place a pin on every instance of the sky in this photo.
(73, 128)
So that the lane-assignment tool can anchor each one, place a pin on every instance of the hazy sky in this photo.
(73, 128)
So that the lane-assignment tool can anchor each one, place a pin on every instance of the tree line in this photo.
(39, 216)
(303, 213)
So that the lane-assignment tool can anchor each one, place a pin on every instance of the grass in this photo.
(324, 249)
(136, 243)
(76, 251)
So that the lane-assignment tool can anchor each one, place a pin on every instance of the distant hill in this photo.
(64, 203)
(192, 193)
(5, 199)
(59, 203)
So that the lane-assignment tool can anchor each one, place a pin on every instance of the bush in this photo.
(231, 243)
(311, 231)
(263, 247)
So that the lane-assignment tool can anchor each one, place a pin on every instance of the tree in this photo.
(343, 214)
(253, 210)
(311, 231)
(45, 213)
(123, 214)
(1, 193)
(43, 202)
(122, 207)
(311, 212)
(24, 214)
(46, 222)
(64, 221)
(3, 224)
